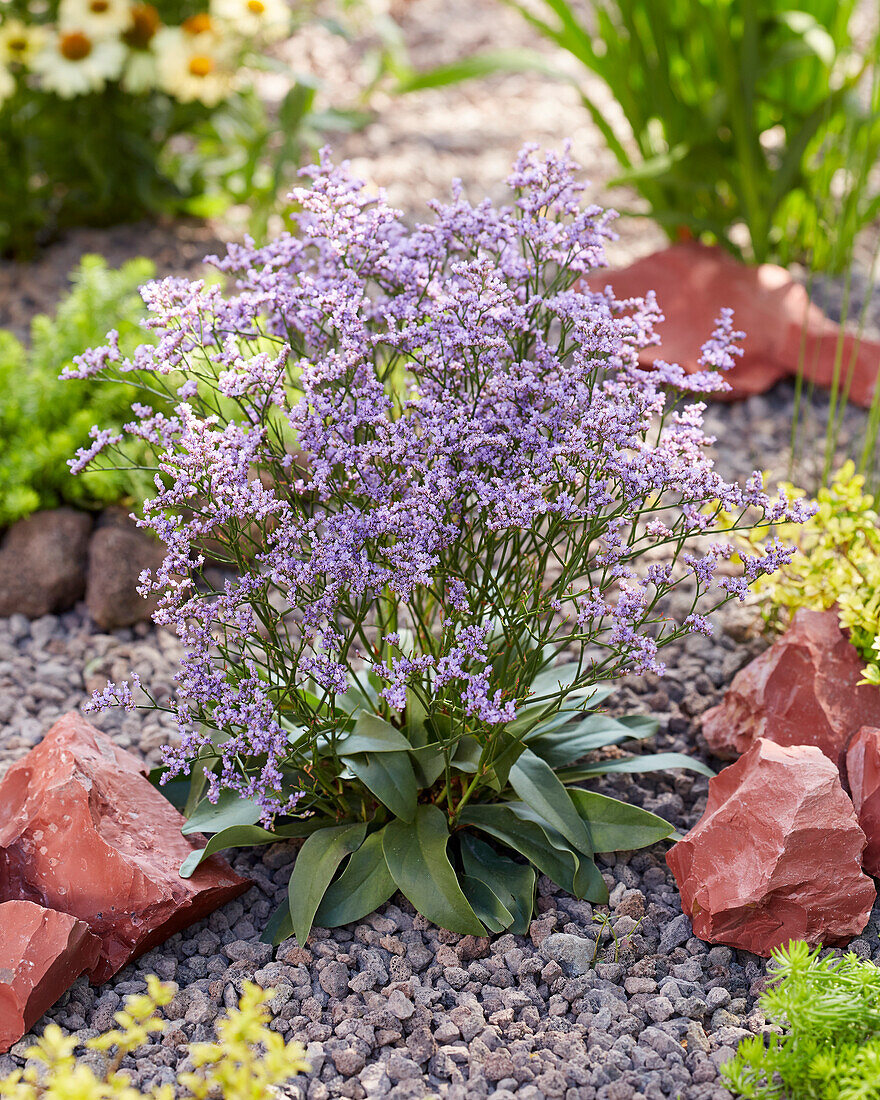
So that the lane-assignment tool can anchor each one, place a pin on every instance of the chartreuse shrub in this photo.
(837, 564)
(246, 1061)
(456, 507)
(42, 420)
(829, 1010)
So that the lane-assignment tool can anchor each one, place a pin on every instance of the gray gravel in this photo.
(611, 1003)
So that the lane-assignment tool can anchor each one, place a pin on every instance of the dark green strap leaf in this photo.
(513, 883)
(372, 734)
(537, 785)
(550, 854)
(390, 777)
(562, 744)
(229, 809)
(617, 826)
(589, 884)
(650, 762)
(248, 836)
(416, 857)
(488, 906)
(279, 927)
(314, 869)
(363, 886)
(428, 765)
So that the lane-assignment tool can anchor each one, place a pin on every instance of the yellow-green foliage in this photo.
(838, 563)
(245, 1063)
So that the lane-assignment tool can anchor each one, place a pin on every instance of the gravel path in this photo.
(392, 1006)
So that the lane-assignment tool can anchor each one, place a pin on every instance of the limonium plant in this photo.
(453, 507)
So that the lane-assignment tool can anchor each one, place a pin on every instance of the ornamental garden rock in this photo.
(776, 856)
(863, 774)
(784, 328)
(83, 831)
(42, 952)
(803, 690)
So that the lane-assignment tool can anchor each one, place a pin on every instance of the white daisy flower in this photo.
(193, 67)
(20, 42)
(7, 84)
(140, 73)
(73, 64)
(96, 18)
(265, 19)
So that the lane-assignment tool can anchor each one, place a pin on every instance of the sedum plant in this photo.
(829, 1010)
(455, 508)
(837, 564)
(247, 1061)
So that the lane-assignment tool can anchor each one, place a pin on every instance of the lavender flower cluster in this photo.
(435, 464)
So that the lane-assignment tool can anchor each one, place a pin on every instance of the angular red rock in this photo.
(863, 773)
(776, 855)
(803, 690)
(783, 328)
(42, 952)
(83, 831)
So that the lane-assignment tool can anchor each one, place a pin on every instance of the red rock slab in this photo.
(863, 772)
(42, 953)
(776, 855)
(783, 328)
(83, 831)
(803, 690)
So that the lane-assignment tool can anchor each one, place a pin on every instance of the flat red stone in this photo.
(776, 855)
(42, 952)
(803, 690)
(83, 831)
(863, 772)
(783, 328)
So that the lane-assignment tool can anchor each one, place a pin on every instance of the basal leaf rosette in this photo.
(452, 508)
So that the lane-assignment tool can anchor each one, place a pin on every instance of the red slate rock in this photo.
(42, 952)
(776, 855)
(803, 690)
(83, 831)
(863, 773)
(693, 281)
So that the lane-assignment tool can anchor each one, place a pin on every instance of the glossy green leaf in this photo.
(428, 765)
(467, 755)
(279, 926)
(314, 869)
(617, 826)
(536, 784)
(650, 762)
(488, 906)
(513, 883)
(229, 809)
(552, 855)
(363, 886)
(589, 884)
(390, 777)
(247, 836)
(568, 743)
(372, 734)
(416, 857)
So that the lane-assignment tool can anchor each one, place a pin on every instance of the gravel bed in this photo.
(610, 1003)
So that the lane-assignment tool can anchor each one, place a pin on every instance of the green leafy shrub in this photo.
(44, 420)
(837, 564)
(830, 1047)
(246, 1062)
(743, 118)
